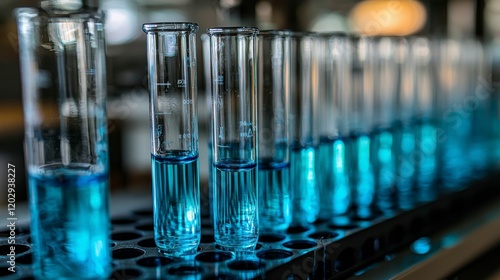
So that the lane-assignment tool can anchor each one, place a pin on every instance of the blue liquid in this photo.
(407, 155)
(426, 148)
(176, 202)
(274, 196)
(454, 166)
(70, 223)
(333, 177)
(384, 166)
(362, 172)
(305, 191)
(236, 222)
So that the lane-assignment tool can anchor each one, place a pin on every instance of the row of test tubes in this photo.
(303, 127)
(307, 127)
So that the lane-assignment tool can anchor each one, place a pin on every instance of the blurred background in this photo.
(126, 58)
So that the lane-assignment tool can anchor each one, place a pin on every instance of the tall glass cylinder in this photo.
(62, 60)
(455, 122)
(234, 137)
(273, 90)
(304, 128)
(425, 155)
(361, 123)
(387, 79)
(171, 55)
(335, 85)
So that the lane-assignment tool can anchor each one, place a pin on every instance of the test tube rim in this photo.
(275, 33)
(231, 31)
(303, 34)
(155, 27)
(339, 34)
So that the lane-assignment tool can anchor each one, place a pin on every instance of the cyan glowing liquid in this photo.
(455, 168)
(274, 196)
(362, 172)
(333, 177)
(70, 222)
(176, 204)
(305, 190)
(426, 159)
(405, 140)
(236, 216)
(384, 166)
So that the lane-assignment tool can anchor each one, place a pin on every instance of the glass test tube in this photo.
(335, 87)
(477, 104)
(304, 132)
(420, 55)
(273, 90)
(63, 78)
(174, 136)
(234, 120)
(205, 41)
(387, 79)
(454, 124)
(361, 123)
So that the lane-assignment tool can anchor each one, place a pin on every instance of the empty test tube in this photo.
(174, 136)
(273, 90)
(234, 137)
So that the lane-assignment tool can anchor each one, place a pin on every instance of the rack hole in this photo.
(112, 244)
(245, 265)
(127, 253)
(417, 226)
(257, 247)
(297, 229)
(147, 243)
(220, 277)
(213, 257)
(154, 261)
(323, 235)
(25, 259)
(345, 260)
(146, 227)
(274, 254)
(369, 248)
(185, 270)
(4, 271)
(127, 273)
(300, 244)
(271, 237)
(396, 236)
(122, 221)
(344, 226)
(19, 249)
(124, 236)
(143, 212)
(207, 238)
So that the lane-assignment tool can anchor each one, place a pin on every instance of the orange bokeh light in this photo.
(388, 17)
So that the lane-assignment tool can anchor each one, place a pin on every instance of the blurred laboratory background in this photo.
(126, 58)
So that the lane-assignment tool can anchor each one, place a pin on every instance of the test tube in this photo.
(421, 57)
(304, 128)
(361, 123)
(174, 136)
(273, 91)
(454, 121)
(205, 41)
(386, 82)
(334, 108)
(234, 137)
(63, 77)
